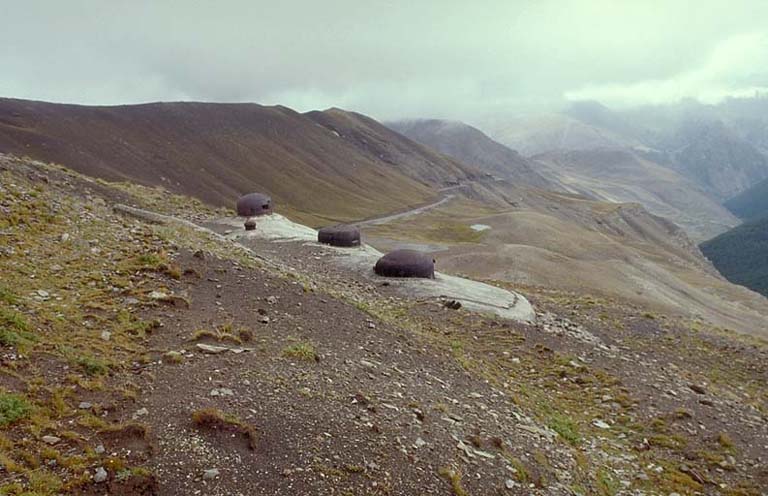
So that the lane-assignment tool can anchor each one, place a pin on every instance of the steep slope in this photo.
(623, 176)
(741, 254)
(752, 203)
(218, 151)
(382, 144)
(715, 157)
(156, 359)
(595, 114)
(539, 133)
(471, 146)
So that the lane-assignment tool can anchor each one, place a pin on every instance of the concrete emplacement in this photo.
(341, 235)
(406, 263)
(254, 204)
(474, 296)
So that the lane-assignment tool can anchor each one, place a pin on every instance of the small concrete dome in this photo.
(339, 235)
(254, 204)
(406, 263)
(250, 224)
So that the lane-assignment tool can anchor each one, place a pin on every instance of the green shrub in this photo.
(566, 428)
(92, 365)
(12, 408)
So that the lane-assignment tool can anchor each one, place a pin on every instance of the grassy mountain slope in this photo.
(218, 151)
(741, 254)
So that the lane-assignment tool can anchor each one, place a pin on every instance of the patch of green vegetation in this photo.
(8, 296)
(13, 407)
(92, 365)
(128, 473)
(454, 232)
(301, 351)
(9, 337)
(149, 260)
(566, 428)
(606, 485)
(131, 324)
(173, 357)
(724, 440)
(521, 472)
(667, 441)
(13, 320)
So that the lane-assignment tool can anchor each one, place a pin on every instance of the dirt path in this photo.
(403, 215)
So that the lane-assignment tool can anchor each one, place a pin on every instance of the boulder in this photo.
(406, 263)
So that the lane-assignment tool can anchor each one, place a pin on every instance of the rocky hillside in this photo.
(718, 159)
(625, 176)
(146, 358)
(470, 146)
(321, 165)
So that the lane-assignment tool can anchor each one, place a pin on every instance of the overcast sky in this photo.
(390, 59)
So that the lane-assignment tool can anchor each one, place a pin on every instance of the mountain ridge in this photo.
(220, 151)
(471, 146)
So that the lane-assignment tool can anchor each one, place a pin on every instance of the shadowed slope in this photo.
(741, 254)
(752, 203)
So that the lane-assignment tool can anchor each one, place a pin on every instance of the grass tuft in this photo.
(566, 428)
(454, 477)
(215, 419)
(92, 365)
(301, 351)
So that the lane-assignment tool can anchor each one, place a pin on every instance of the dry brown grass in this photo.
(215, 419)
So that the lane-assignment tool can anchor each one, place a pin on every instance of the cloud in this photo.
(387, 58)
(737, 66)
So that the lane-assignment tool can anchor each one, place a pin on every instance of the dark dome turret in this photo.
(340, 235)
(254, 204)
(406, 263)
